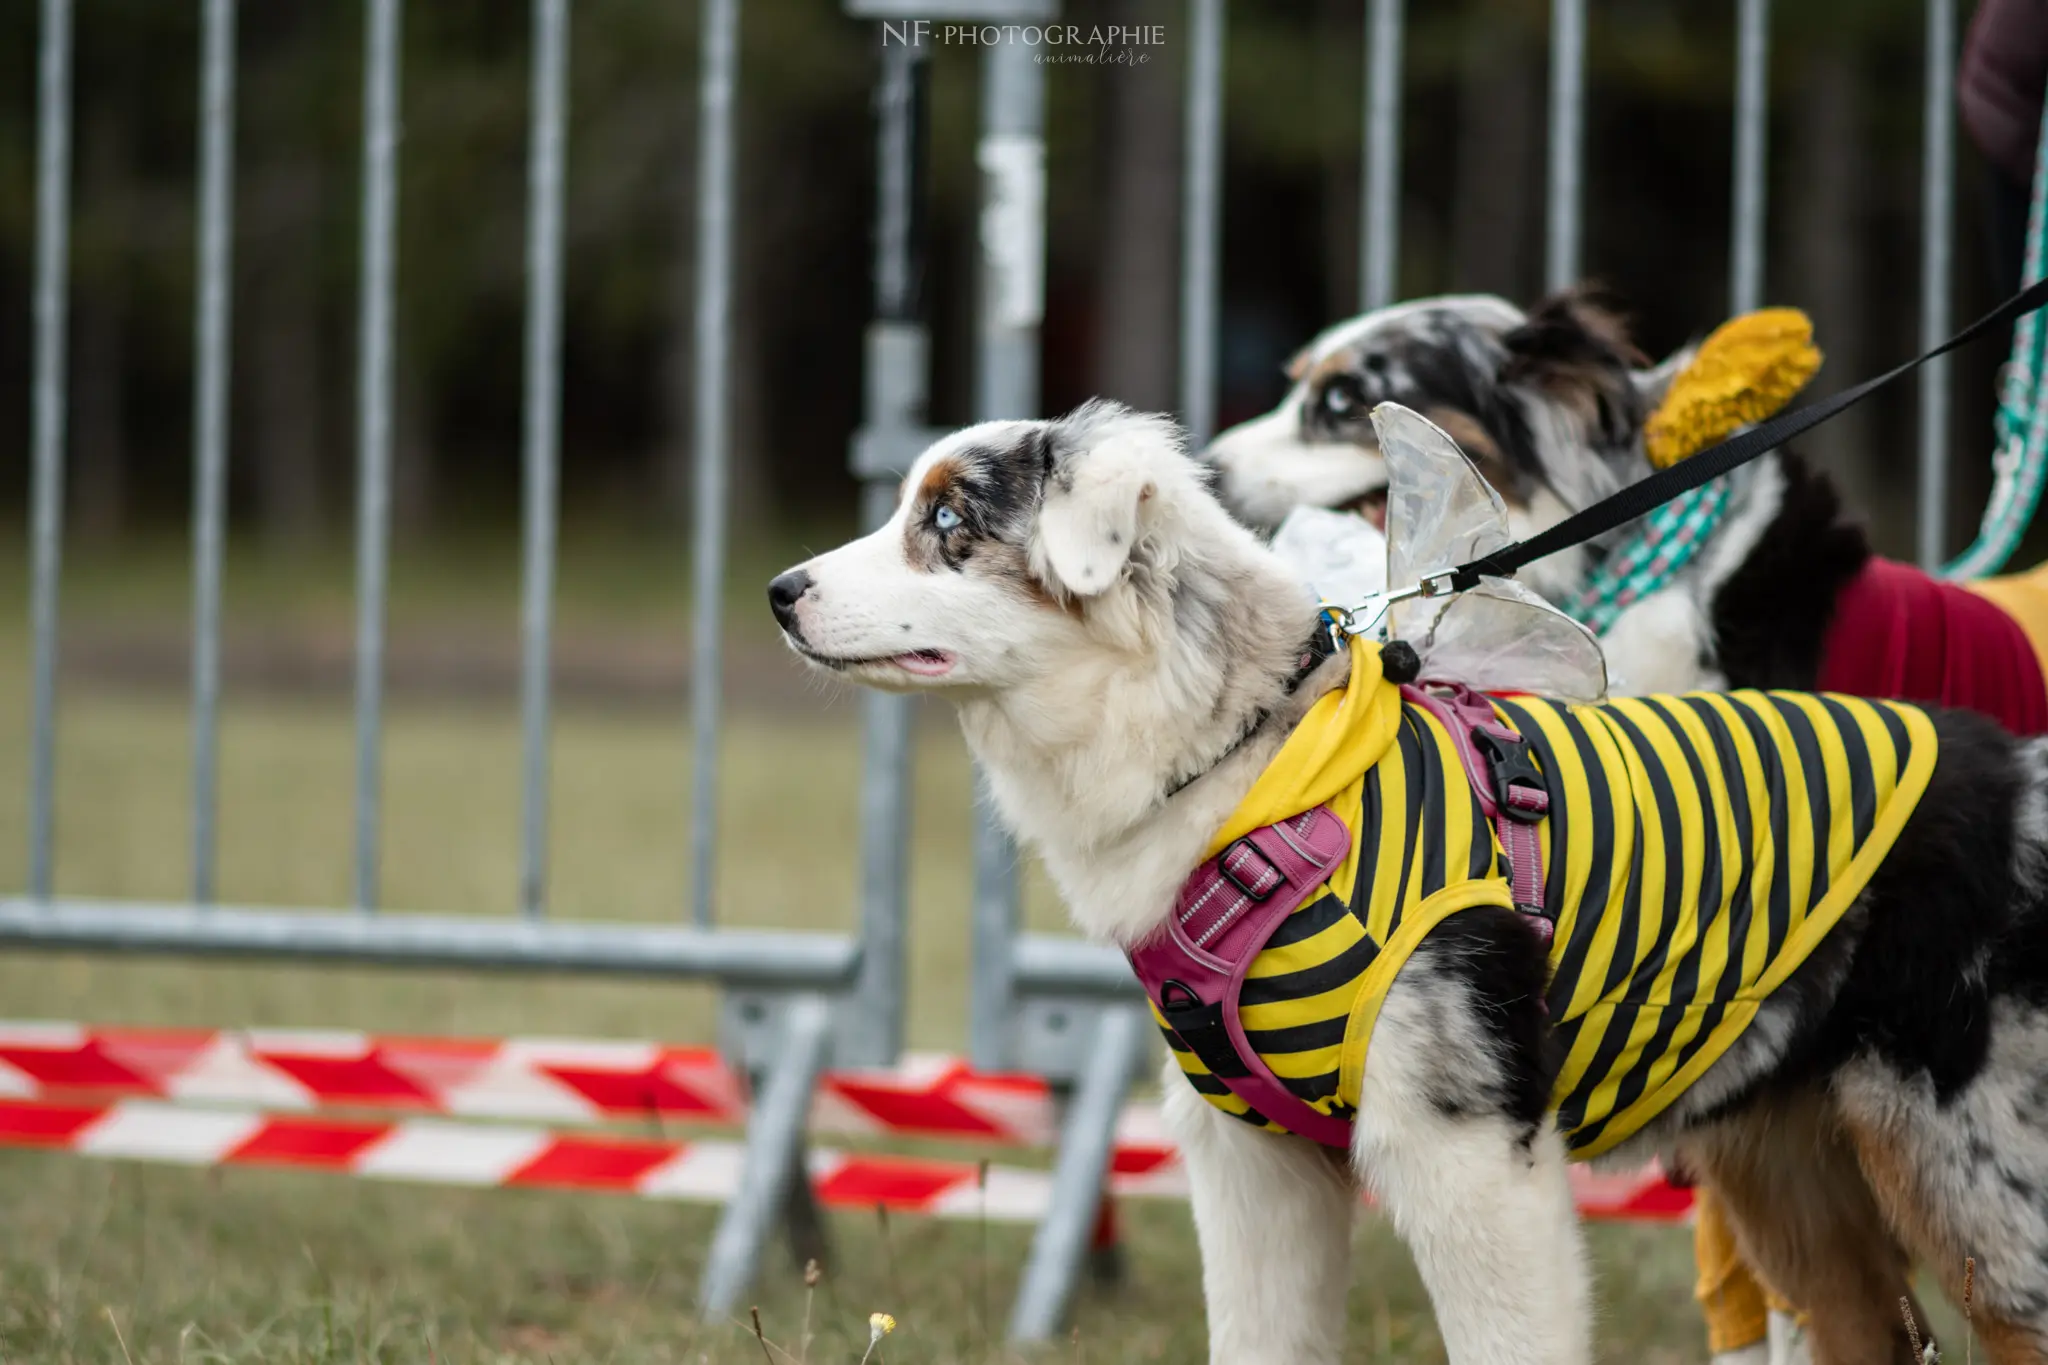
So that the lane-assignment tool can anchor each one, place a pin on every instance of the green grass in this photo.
(260, 1266)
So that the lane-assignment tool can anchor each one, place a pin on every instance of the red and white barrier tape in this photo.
(159, 1080)
(450, 1152)
(446, 1152)
(533, 1079)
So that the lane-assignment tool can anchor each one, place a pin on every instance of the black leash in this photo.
(1640, 498)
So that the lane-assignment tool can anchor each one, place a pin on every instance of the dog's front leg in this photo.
(1453, 1141)
(1273, 1216)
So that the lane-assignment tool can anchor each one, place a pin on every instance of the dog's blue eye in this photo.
(945, 518)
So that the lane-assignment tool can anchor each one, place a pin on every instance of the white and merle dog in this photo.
(1550, 406)
(1107, 631)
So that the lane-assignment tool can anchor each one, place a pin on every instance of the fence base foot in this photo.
(1061, 1246)
(774, 1158)
(803, 1221)
(1106, 1247)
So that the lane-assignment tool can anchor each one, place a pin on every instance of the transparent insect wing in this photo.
(1501, 637)
(1440, 512)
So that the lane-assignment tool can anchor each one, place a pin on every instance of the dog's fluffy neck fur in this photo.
(1079, 760)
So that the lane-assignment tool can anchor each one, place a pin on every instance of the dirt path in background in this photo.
(446, 661)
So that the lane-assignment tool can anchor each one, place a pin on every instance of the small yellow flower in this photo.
(879, 1326)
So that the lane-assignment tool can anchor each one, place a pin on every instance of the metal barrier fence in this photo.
(780, 989)
(1049, 1004)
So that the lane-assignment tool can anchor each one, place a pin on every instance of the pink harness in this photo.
(1194, 970)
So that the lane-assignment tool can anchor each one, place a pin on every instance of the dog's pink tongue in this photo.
(926, 663)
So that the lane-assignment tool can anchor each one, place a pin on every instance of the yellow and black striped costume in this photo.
(1696, 851)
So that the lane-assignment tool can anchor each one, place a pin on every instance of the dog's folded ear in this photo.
(1576, 329)
(1575, 348)
(1102, 466)
(1089, 520)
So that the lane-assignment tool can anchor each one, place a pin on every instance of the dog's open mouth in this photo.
(924, 663)
(1371, 505)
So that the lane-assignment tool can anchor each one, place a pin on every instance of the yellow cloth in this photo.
(1697, 850)
(2023, 597)
(1342, 735)
(1732, 1300)
(1314, 989)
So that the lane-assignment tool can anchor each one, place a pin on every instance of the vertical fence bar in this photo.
(373, 422)
(543, 434)
(211, 329)
(1380, 214)
(53, 240)
(875, 1037)
(1567, 141)
(715, 95)
(1937, 225)
(1752, 127)
(1201, 221)
(1012, 161)
(897, 367)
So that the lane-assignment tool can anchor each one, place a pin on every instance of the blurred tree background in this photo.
(1843, 214)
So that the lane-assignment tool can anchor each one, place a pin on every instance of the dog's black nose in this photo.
(783, 593)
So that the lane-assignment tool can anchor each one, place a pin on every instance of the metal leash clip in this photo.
(1369, 615)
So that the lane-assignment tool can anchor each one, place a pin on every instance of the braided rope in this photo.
(2020, 464)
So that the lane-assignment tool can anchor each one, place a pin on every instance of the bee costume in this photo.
(1693, 853)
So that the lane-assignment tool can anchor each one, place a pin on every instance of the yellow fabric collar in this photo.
(1343, 734)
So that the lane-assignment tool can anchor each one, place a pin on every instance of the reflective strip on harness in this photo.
(1194, 969)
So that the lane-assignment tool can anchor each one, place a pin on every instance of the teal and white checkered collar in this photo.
(1663, 543)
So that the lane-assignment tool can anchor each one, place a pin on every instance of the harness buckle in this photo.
(1260, 879)
(1519, 791)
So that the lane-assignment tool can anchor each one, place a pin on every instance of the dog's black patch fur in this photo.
(1499, 963)
(1441, 361)
(1928, 962)
(995, 491)
(1577, 339)
(1771, 615)
(1945, 928)
(1000, 490)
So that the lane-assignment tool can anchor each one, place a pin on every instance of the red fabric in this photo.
(1902, 634)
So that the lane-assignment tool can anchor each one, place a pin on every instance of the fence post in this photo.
(1937, 224)
(373, 421)
(1380, 213)
(892, 433)
(542, 420)
(716, 92)
(1011, 156)
(1752, 142)
(212, 324)
(1567, 141)
(1202, 221)
(53, 240)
